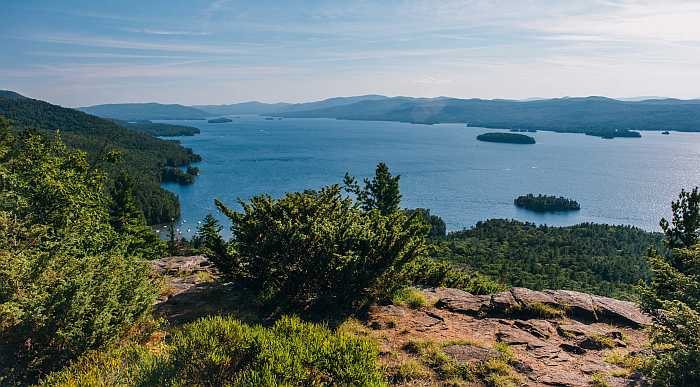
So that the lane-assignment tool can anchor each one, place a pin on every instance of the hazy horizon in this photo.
(79, 53)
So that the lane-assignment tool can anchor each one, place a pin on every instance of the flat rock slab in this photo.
(470, 354)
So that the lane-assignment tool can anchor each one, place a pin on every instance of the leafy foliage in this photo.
(316, 247)
(210, 243)
(69, 281)
(218, 351)
(381, 193)
(594, 258)
(438, 228)
(673, 296)
(144, 156)
(438, 273)
(126, 218)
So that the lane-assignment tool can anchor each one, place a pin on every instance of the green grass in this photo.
(408, 371)
(411, 297)
(539, 309)
(599, 379)
(603, 341)
(497, 372)
(625, 360)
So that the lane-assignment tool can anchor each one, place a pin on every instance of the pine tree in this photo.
(381, 193)
(127, 218)
(213, 245)
(673, 296)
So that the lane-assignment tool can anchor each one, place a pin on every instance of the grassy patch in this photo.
(496, 372)
(625, 360)
(602, 341)
(541, 310)
(204, 277)
(599, 379)
(411, 297)
(408, 371)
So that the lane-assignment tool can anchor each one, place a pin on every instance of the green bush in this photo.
(673, 297)
(68, 280)
(218, 351)
(435, 273)
(317, 247)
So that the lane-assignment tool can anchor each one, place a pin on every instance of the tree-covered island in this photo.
(508, 138)
(221, 120)
(546, 203)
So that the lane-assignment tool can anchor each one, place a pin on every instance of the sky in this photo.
(85, 52)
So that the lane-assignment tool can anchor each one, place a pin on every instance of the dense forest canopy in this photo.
(596, 258)
(143, 155)
(158, 129)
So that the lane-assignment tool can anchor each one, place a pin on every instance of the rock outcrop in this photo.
(557, 337)
(565, 349)
(523, 301)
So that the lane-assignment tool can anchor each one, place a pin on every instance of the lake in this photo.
(443, 167)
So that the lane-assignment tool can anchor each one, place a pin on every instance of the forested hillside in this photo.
(158, 128)
(143, 155)
(596, 258)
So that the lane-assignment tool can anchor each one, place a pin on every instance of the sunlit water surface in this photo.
(443, 168)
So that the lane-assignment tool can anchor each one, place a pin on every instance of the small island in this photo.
(509, 138)
(613, 133)
(546, 203)
(221, 120)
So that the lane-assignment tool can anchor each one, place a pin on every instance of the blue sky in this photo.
(76, 52)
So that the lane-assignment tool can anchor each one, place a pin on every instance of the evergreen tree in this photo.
(69, 282)
(172, 238)
(381, 193)
(212, 245)
(683, 229)
(127, 218)
(673, 297)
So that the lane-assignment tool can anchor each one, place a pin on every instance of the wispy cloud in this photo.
(116, 43)
(149, 31)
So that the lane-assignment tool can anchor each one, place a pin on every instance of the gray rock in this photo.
(459, 301)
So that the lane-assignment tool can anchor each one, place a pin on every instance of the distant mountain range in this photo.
(592, 115)
(145, 111)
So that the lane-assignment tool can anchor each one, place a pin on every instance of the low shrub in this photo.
(430, 272)
(318, 248)
(222, 351)
(408, 371)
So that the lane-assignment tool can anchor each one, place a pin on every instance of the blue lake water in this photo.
(443, 168)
